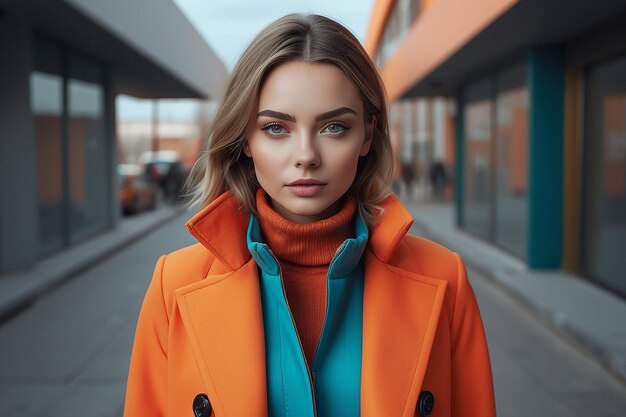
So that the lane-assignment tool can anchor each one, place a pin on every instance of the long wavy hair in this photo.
(222, 166)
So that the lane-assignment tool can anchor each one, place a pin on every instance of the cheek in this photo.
(261, 159)
(265, 156)
(345, 161)
(269, 162)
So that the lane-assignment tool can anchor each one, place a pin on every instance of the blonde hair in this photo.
(222, 166)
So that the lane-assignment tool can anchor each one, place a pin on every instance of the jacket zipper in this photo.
(282, 284)
(339, 249)
(293, 322)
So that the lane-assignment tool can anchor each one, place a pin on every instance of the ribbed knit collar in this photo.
(310, 244)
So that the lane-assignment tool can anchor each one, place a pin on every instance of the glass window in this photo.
(477, 189)
(46, 97)
(511, 171)
(87, 150)
(604, 237)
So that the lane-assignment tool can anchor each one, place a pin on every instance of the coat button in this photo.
(201, 406)
(426, 403)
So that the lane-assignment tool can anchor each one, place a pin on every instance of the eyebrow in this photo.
(319, 117)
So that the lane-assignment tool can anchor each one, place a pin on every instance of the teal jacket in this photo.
(336, 375)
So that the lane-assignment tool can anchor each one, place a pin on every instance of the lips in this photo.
(306, 187)
(305, 182)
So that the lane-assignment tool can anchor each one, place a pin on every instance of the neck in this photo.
(306, 244)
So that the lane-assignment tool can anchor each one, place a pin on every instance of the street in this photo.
(67, 354)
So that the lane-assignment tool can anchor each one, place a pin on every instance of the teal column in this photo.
(546, 90)
(459, 161)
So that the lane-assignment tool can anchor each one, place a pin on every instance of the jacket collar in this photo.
(346, 257)
(224, 217)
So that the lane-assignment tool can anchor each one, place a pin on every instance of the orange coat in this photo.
(200, 329)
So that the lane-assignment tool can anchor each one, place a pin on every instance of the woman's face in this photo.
(306, 139)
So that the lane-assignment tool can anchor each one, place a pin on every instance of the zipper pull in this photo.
(267, 248)
(339, 249)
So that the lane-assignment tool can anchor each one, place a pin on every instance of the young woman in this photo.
(305, 295)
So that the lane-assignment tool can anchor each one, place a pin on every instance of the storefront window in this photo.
(68, 105)
(46, 85)
(604, 236)
(87, 151)
(511, 187)
(477, 190)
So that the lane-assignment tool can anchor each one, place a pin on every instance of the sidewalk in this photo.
(583, 312)
(19, 289)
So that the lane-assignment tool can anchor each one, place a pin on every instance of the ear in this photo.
(246, 149)
(369, 135)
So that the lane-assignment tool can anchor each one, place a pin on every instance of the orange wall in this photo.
(378, 19)
(49, 169)
(449, 138)
(514, 156)
(518, 153)
(442, 28)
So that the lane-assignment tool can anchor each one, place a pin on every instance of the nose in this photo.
(306, 152)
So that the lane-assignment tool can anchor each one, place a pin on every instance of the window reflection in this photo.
(511, 223)
(46, 85)
(87, 149)
(605, 240)
(477, 167)
(496, 160)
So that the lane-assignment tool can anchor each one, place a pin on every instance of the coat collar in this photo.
(224, 217)
(346, 258)
(222, 316)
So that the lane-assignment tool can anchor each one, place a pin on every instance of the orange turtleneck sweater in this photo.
(304, 252)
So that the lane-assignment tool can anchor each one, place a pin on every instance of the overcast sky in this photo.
(230, 25)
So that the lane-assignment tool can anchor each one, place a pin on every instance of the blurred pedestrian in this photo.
(419, 178)
(173, 182)
(408, 177)
(305, 295)
(438, 180)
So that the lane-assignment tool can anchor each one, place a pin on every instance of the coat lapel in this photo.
(223, 319)
(401, 310)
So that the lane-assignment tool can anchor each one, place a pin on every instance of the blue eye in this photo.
(335, 128)
(274, 129)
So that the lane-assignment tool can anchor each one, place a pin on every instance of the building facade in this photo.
(539, 119)
(63, 63)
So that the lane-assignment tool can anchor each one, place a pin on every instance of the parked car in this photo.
(137, 190)
(167, 170)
